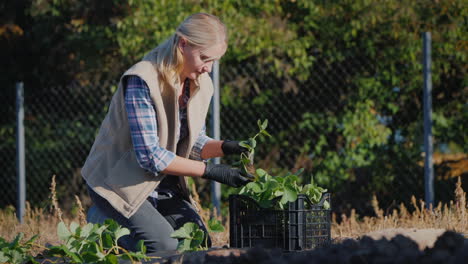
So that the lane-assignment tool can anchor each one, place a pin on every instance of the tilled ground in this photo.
(449, 248)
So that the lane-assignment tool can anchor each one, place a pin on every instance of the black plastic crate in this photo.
(302, 225)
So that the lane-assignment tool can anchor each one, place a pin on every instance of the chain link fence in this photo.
(347, 126)
(60, 124)
(352, 132)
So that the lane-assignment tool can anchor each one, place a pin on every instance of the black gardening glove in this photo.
(230, 147)
(227, 175)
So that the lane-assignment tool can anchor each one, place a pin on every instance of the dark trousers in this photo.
(153, 222)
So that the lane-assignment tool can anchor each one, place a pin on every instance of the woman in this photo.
(154, 135)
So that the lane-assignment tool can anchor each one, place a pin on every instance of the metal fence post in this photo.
(216, 134)
(20, 153)
(427, 101)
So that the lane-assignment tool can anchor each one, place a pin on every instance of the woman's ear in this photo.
(182, 43)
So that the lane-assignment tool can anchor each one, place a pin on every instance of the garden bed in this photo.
(449, 248)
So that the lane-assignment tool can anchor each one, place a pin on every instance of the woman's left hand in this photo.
(231, 147)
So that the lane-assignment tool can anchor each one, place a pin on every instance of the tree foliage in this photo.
(363, 139)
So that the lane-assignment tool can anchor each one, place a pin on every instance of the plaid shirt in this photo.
(142, 120)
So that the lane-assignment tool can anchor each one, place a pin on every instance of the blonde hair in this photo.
(200, 30)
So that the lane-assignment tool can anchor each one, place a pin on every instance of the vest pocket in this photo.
(129, 180)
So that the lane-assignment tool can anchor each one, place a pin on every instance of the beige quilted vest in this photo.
(111, 168)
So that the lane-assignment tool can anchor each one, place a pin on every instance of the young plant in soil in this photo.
(94, 243)
(16, 252)
(277, 191)
(192, 238)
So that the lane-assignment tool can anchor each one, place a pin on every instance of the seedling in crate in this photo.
(192, 238)
(247, 159)
(270, 191)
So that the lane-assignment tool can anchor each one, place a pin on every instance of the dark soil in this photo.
(450, 248)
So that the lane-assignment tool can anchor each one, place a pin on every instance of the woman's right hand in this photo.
(225, 174)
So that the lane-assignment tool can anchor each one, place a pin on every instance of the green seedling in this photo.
(247, 159)
(94, 243)
(269, 191)
(16, 252)
(192, 238)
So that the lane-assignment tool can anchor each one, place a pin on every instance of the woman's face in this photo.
(198, 61)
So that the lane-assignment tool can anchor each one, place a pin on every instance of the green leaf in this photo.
(291, 179)
(17, 240)
(326, 205)
(254, 187)
(252, 143)
(185, 231)
(245, 161)
(74, 228)
(63, 232)
(107, 240)
(180, 233)
(280, 180)
(245, 145)
(32, 239)
(261, 172)
(112, 225)
(98, 229)
(198, 238)
(264, 132)
(75, 257)
(90, 257)
(16, 257)
(120, 232)
(3, 258)
(271, 185)
(111, 259)
(262, 125)
(56, 250)
(290, 195)
(243, 190)
(140, 246)
(86, 230)
(91, 247)
(215, 225)
(184, 245)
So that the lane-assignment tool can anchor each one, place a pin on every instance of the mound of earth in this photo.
(449, 248)
(425, 238)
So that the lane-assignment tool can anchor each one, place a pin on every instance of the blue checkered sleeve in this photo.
(195, 153)
(141, 114)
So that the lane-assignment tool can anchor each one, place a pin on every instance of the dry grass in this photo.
(218, 239)
(35, 221)
(452, 216)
